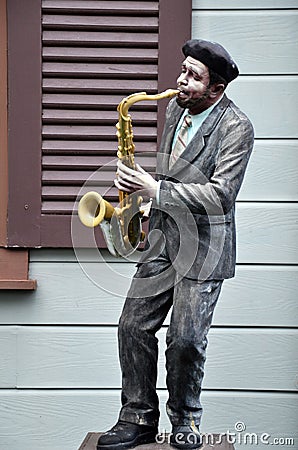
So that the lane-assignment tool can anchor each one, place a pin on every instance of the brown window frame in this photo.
(26, 226)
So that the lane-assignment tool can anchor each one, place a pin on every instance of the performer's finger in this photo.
(140, 169)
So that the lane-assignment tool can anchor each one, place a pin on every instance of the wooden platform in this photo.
(90, 442)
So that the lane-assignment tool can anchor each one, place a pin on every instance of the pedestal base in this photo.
(214, 442)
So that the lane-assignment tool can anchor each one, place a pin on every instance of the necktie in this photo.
(181, 142)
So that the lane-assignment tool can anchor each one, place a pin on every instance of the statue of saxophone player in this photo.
(201, 162)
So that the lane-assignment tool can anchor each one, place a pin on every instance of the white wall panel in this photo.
(243, 4)
(257, 296)
(269, 102)
(59, 420)
(267, 233)
(272, 172)
(81, 357)
(261, 42)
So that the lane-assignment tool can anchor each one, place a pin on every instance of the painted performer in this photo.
(191, 249)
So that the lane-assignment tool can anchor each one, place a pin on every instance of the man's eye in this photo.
(193, 75)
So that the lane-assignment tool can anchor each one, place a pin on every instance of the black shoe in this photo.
(186, 436)
(126, 435)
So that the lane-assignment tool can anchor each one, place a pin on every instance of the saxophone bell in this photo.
(93, 209)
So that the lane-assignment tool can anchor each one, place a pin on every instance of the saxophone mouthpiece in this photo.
(170, 93)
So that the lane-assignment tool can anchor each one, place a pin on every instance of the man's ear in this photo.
(216, 90)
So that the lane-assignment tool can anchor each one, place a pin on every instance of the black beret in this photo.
(214, 56)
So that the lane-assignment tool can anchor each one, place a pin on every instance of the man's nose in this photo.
(181, 80)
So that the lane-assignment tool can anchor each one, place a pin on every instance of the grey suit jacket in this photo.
(195, 215)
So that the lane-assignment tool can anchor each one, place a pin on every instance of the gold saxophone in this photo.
(121, 226)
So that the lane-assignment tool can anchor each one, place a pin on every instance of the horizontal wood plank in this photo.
(99, 54)
(99, 178)
(98, 7)
(97, 101)
(93, 293)
(247, 92)
(279, 36)
(92, 162)
(267, 233)
(84, 357)
(245, 4)
(63, 206)
(60, 207)
(271, 173)
(100, 22)
(105, 147)
(107, 38)
(85, 85)
(53, 420)
(114, 70)
(18, 285)
(72, 192)
(93, 132)
(74, 116)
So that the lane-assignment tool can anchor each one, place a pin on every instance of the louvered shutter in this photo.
(94, 53)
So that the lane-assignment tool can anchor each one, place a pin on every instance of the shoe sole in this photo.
(146, 438)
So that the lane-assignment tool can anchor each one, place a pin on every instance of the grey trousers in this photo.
(193, 305)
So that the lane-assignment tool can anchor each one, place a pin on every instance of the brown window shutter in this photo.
(94, 53)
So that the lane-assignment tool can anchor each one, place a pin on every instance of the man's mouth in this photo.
(182, 94)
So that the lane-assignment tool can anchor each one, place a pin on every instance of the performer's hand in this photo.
(130, 180)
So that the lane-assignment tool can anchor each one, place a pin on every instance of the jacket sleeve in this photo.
(217, 195)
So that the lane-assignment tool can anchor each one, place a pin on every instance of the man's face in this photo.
(193, 85)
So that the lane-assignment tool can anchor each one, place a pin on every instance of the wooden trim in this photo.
(14, 266)
(174, 30)
(13, 263)
(18, 285)
(3, 124)
(24, 122)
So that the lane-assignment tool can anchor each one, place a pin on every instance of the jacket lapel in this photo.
(198, 141)
(162, 163)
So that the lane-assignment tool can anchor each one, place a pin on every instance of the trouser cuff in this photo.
(149, 418)
(184, 419)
